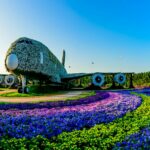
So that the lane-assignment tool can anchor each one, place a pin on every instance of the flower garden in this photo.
(107, 120)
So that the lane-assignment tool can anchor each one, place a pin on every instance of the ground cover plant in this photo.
(16, 94)
(37, 125)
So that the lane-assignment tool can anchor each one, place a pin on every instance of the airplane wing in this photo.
(72, 76)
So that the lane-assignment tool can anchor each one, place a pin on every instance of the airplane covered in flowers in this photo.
(30, 59)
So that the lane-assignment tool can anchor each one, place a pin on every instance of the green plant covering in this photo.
(28, 53)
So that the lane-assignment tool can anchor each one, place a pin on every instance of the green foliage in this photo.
(141, 79)
(16, 94)
(102, 136)
(83, 82)
(37, 143)
(41, 89)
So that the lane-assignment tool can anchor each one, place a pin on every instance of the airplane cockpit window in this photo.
(25, 41)
(22, 41)
(28, 42)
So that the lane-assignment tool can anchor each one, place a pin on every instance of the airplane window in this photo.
(22, 41)
(30, 42)
(25, 41)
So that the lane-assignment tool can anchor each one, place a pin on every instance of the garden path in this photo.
(66, 95)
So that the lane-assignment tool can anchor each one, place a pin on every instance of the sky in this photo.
(98, 35)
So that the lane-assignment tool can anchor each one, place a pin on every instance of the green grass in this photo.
(15, 94)
(4, 89)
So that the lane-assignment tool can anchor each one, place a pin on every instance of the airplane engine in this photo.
(1, 79)
(98, 79)
(120, 78)
(9, 80)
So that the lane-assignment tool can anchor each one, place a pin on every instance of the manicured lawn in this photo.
(16, 94)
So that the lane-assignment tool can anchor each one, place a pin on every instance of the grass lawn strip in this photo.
(38, 99)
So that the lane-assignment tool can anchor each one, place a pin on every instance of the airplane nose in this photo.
(12, 62)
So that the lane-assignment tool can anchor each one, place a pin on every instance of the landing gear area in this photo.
(25, 90)
(98, 81)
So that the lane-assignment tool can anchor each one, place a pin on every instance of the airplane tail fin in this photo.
(63, 58)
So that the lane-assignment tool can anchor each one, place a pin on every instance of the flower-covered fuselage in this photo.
(27, 56)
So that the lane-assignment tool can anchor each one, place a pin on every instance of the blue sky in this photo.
(115, 35)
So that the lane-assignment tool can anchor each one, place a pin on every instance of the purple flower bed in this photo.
(48, 121)
(140, 140)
